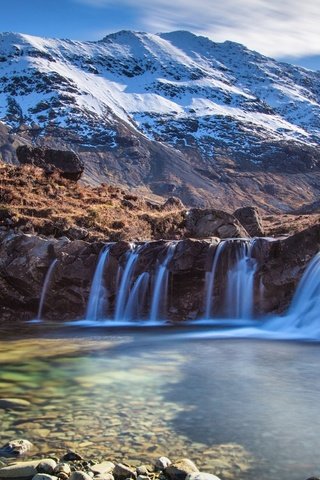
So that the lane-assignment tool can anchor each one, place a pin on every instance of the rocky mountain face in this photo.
(173, 114)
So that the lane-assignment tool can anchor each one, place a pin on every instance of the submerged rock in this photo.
(16, 448)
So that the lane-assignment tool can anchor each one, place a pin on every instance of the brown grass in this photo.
(34, 202)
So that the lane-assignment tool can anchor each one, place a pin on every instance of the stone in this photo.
(69, 163)
(205, 223)
(201, 476)
(44, 476)
(47, 466)
(62, 470)
(122, 472)
(14, 403)
(20, 470)
(71, 456)
(104, 476)
(180, 469)
(143, 477)
(103, 467)
(162, 463)
(79, 475)
(16, 448)
(251, 220)
(142, 470)
(173, 203)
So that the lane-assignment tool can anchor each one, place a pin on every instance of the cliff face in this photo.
(25, 260)
(173, 114)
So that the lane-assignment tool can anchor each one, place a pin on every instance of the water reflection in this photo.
(135, 396)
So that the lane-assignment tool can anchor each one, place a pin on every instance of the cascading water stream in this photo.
(160, 290)
(240, 282)
(210, 279)
(44, 290)
(137, 298)
(125, 284)
(96, 302)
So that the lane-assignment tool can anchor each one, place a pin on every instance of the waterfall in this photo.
(160, 290)
(97, 300)
(137, 298)
(240, 282)
(210, 279)
(45, 287)
(125, 284)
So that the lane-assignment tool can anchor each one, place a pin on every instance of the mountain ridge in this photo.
(172, 112)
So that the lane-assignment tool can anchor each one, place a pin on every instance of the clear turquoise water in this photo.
(241, 409)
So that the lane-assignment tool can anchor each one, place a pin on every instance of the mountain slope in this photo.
(175, 113)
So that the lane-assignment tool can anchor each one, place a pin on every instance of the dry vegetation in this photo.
(35, 202)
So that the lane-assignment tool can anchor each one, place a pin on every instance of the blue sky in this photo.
(284, 29)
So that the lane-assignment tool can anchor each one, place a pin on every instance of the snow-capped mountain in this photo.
(175, 112)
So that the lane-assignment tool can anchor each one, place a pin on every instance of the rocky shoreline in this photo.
(73, 466)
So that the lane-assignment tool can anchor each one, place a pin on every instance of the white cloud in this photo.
(273, 27)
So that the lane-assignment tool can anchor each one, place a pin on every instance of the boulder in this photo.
(162, 463)
(69, 163)
(250, 219)
(205, 223)
(180, 469)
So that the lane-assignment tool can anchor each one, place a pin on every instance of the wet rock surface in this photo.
(25, 260)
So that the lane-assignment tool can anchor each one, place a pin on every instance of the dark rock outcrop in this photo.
(67, 162)
(251, 220)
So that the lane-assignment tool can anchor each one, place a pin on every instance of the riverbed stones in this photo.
(142, 470)
(122, 472)
(47, 466)
(44, 476)
(16, 448)
(103, 467)
(180, 469)
(80, 475)
(20, 470)
(14, 403)
(162, 463)
(201, 476)
(62, 470)
(72, 456)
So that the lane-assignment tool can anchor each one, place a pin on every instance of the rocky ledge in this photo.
(25, 260)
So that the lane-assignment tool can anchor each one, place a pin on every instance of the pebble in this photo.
(142, 470)
(79, 475)
(16, 448)
(44, 476)
(122, 472)
(162, 463)
(71, 456)
(201, 476)
(180, 469)
(14, 403)
(62, 470)
(103, 467)
(20, 470)
(47, 466)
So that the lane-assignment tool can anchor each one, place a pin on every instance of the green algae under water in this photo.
(238, 408)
